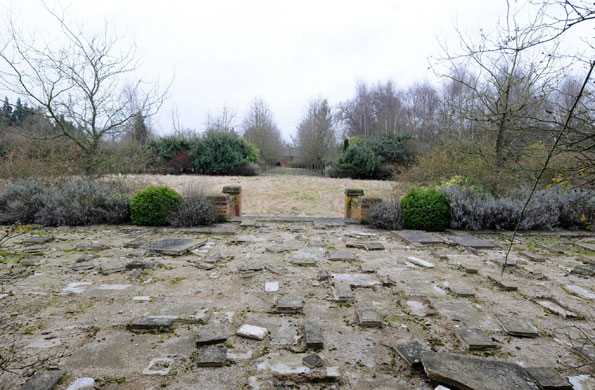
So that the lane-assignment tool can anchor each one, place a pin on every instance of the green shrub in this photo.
(361, 159)
(220, 153)
(392, 148)
(165, 148)
(425, 209)
(154, 206)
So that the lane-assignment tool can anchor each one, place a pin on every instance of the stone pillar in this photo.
(351, 194)
(366, 207)
(236, 193)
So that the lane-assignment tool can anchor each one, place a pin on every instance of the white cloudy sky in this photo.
(226, 52)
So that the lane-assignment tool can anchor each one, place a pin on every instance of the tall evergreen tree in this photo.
(6, 112)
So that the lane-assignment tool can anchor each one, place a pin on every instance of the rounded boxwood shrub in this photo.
(153, 206)
(425, 209)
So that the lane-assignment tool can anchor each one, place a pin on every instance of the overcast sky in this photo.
(227, 52)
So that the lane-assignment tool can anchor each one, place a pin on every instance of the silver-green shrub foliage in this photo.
(72, 202)
(195, 210)
(386, 215)
(549, 209)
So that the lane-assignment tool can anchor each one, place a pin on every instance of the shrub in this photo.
(154, 206)
(195, 210)
(392, 148)
(219, 153)
(386, 215)
(425, 209)
(248, 169)
(166, 147)
(181, 162)
(361, 159)
(72, 202)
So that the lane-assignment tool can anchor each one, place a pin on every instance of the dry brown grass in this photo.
(301, 196)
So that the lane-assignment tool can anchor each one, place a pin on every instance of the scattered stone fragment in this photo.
(211, 357)
(44, 380)
(158, 324)
(420, 262)
(586, 350)
(472, 373)
(369, 318)
(276, 248)
(342, 292)
(517, 326)
(313, 335)
(548, 378)
(420, 306)
(91, 246)
(316, 244)
(110, 267)
(502, 282)
(358, 280)
(136, 243)
(284, 364)
(175, 246)
(82, 384)
(249, 270)
(584, 270)
(142, 298)
(551, 249)
(386, 281)
(252, 332)
(113, 287)
(241, 241)
(500, 261)
(35, 249)
(373, 246)
(461, 291)
(159, 366)
(410, 352)
(475, 339)
(533, 257)
(85, 266)
(469, 268)
(295, 229)
(287, 304)
(590, 246)
(323, 275)
(141, 264)
(340, 256)
(211, 335)
(440, 387)
(537, 273)
(313, 361)
(75, 287)
(248, 223)
(586, 260)
(367, 268)
(357, 245)
(31, 262)
(271, 286)
(417, 236)
(276, 268)
(580, 291)
(218, 230)
(38, 240)
(473, 242)
(555, 307)
(304, 260)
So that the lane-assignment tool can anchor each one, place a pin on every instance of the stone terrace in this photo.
(245, 305)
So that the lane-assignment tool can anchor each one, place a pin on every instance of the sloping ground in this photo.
(279, 195)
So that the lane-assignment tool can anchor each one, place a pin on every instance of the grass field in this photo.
(283, 194)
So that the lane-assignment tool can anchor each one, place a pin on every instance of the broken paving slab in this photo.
(470, 241)
(417, 236)
(323, 275)
(159, 366)
(410, 352)
(340, 255)
(420, 262)
(590, 246)
(112, 266)
(502, 283)
(516, 326)
(584, 270)
(31, 262)
(476, 374)
(84, 266)
(475, 339)
(136, 243)
(284, 364)
(533, 256)
(37, 240)
(469, 268)
(584, 293)
(313, 361)
(555, 307)
(209, 335)
(548, 378)
(287, 304)
(358, 279)
(91, 246)
(44, 380)
(461, 291)
(313, 335)
(587, 351)
(342, 292)
(141, 264)
(35, 249)
(420, 306)
(155, 324)
(252, 332)
(248, 223)
(373, 246)
(174, 246)
(211, 357)
(276, 268)
(275, 248)
(304, 261)
(386, 281)
(369, 318)
(216, 231)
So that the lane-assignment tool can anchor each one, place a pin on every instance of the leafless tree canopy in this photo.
(316, 133)
(261, 130)
(77, 79)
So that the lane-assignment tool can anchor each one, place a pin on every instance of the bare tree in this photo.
(77, 78)
(225, 122)
(316, 134)
(261, 131)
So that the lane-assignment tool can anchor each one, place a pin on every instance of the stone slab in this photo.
(82, 384)
(515, 326)
(420, 262)
(386, 281)
(410, 352)
(473, 242)
(313, 335)
(323, 275)
(304, 261)
(461, 291)
(37, 240)
(211, 335)
(35, 249)
(340, 255)
(472, 373)
(417, 236)
(342, 292)
(157, 324)
(271, 286)
(374, 246)
(369, 318)
(216, 231)
(276, 268)
(587, 351)
(548, 378)
(136, 243)
(175, 246)
(31, 262)
(141, 264)
(469, 268)
(590, 246)
(502, 283)
(84, 266)
(475, 339)
(358, 279)
(533, 257)
(555, 307)
(276, 248)
(159, 366)
(248, 223)
(287, 304)
(113, 266)
(584, 270)
(252, 332)
(44, 380)
(91, 246)
(584, 293)
(313, 361)
(211, 357)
